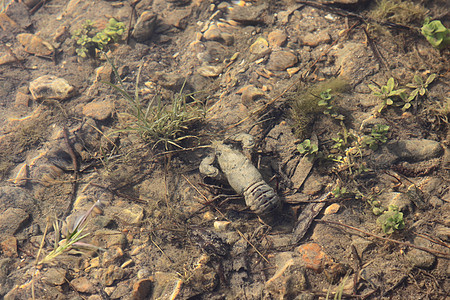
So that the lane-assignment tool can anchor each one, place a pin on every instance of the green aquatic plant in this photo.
(420, 89)
(387, 93)
(304, 102)
(377, 137)
(325, 102)
(158, 122)
(87, 41)
(391, 220)
(308, 148)
(436, 34)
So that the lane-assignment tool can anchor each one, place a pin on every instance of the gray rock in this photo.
(145, 25)
(15, 197)
(51, 87)
(55, 276)
(12, 220)
(415, 149)
(419, 258)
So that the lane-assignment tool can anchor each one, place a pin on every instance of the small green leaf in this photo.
(390, 84)
(389, 101)
(430, 79)
(406, 106)
(373, 88)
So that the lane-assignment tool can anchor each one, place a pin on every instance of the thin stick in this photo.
(428, 237)
(435, 252)
(75, 171)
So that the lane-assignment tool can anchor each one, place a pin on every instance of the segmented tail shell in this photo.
(261, 198)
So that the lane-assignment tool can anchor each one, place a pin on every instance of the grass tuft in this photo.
(158, 122)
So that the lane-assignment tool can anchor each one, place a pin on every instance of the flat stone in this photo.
(178, 17)
(83, 285)
(12, 220)
(252, 14)
(165, 283)
(142, 289)
(35, 45)
(6, 57)
(415, 149)
(107, 238)
(15, 197)
(55, 276)
(9, 246)
(213, 33)
(22, 99)
(317, 38)
(259, 48)
(332, 209)
(277, 38)
(132, 215)
(50, 87)
(210, 71)
(98, 110)
(419, 258)
(145, 25)
(281, 60)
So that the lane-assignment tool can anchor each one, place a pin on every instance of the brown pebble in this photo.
(82, 285)
(142, 289)
(277, 38)
(99, 110)
(281, 60)
(314, 39)
(9, 246)
(213, 33)
(35, 45)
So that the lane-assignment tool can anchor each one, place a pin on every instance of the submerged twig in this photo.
(432, 251)
(73, 156)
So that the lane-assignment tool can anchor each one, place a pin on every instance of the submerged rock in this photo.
(12, 220)
(145, 25)
(415, 149)
(51, 87)
(281, 60)
(35, 45)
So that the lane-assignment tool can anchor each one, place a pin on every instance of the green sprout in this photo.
(377, 137)
(339, 192)
(436, 34)
(387, 93)
(308, 148)
(73, 238)
(325, 101)
(88, 41)
(420, 88)
(391, 220)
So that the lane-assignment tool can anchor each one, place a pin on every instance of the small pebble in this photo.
(281, 60)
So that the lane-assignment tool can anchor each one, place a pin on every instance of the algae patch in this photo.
(304, 102)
